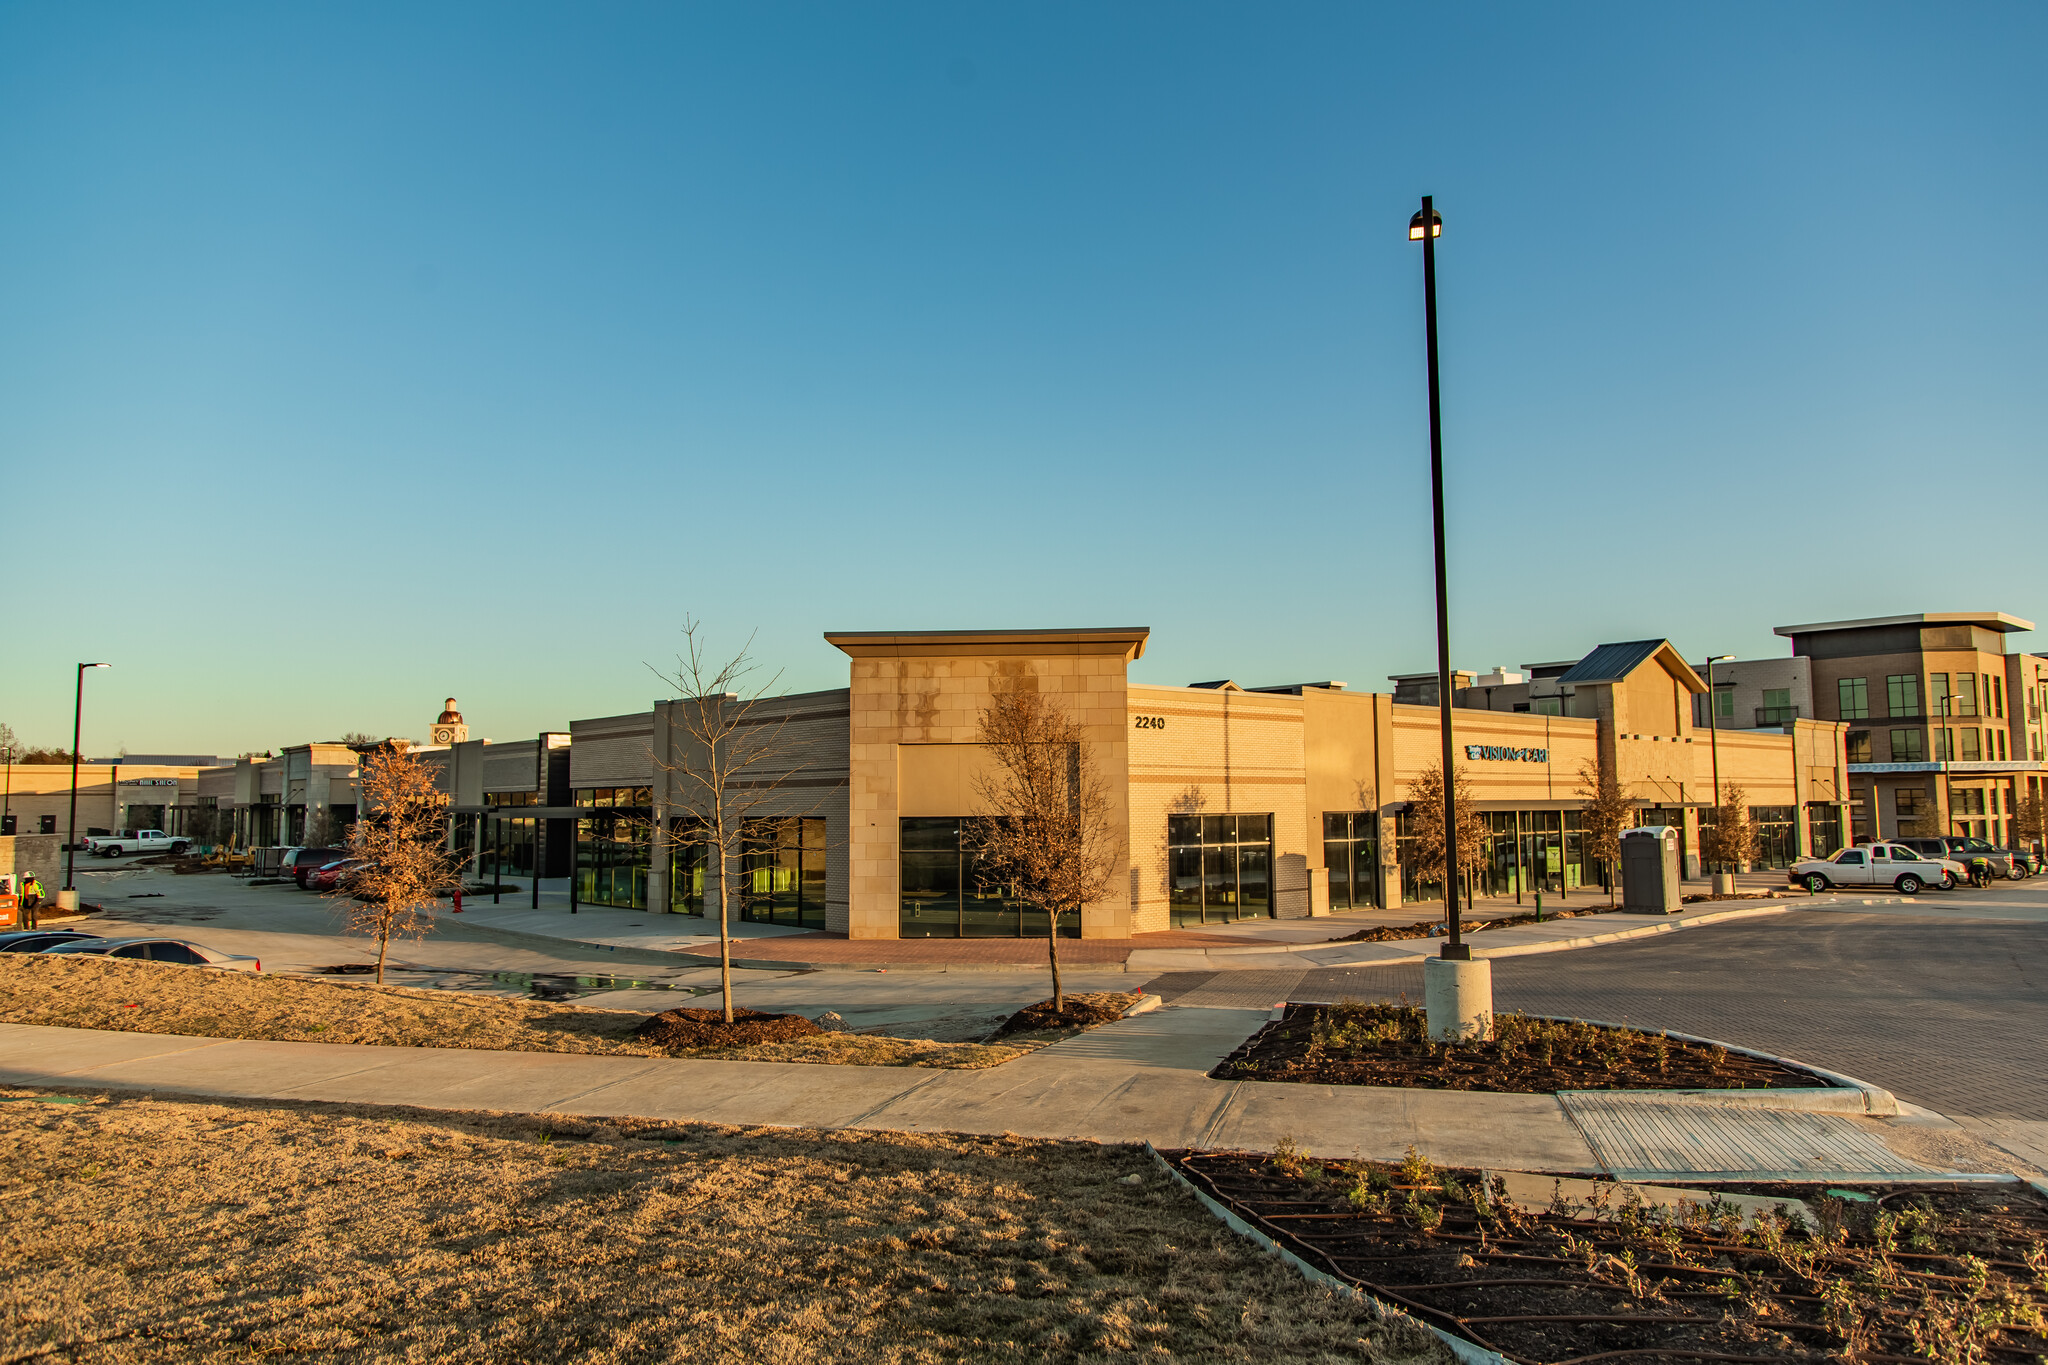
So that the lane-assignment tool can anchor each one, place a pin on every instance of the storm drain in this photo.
(1652, 1137)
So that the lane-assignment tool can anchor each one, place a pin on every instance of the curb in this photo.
(1875, 1101)
(1465, 1351)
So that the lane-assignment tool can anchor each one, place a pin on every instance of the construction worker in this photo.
(31, 901)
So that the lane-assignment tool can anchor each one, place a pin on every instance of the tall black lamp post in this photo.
(1714, 728)
(77, 716)
(1425, 227)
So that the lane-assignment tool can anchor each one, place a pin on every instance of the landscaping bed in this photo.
(1953, 1273)
(1350, 1043)
(1084, 1011)
(686, 1029)
(1426, 928)
(142, 1230)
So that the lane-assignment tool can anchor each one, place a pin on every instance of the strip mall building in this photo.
(1235, 802)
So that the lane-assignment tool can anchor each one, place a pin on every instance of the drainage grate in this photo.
(1655, 1137)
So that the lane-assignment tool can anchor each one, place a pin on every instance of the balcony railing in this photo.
(1776, 715)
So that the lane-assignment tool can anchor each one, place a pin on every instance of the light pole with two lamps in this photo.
(67, 899)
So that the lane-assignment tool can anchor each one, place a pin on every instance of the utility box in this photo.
(1649, 870)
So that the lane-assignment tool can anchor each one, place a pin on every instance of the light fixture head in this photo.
(1436, 225)
(95, 665)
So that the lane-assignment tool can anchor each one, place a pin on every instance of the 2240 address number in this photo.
(1148, 722)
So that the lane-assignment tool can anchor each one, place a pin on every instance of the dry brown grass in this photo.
(153, 997)
(150, 1230)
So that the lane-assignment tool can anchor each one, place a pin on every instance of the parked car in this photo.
(329, 876)
(134, 841)
(35, 940)
(2004, 861)
(162, 950)
(1887, 864)
(301, 863)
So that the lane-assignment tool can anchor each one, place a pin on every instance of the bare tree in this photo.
(1607, 812)
(2029, 819)
(1426, 826)
(399, 843)
(1049, 837)
(358, 739)
(1731, 840)
(731, 769)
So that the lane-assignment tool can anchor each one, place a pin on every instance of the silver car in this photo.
(1885, 864)
(161, 950)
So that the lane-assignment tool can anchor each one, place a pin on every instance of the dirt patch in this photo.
(689, 1030)
(1702, 897)
(154, 997)
(146, 1230)
(1951, 1273)
(1350, 1043)
(1083, 1011)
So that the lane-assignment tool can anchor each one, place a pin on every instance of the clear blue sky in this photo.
(356, 355)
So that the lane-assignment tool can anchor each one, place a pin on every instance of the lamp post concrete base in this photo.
(1724, 883)
(67, 902)
(1457, 999)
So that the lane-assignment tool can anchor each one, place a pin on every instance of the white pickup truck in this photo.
(134, 841)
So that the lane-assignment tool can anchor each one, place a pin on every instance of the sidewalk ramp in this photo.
(1659, 1137)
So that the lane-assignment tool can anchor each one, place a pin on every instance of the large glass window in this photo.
(1902, 694)
(1852, 698)
(943, 894)
(1777, 835)
(612, 846)
(1220, 866)
(1824, 827)
(782, 871)
(1351, 851)
(1859, 746)
(1972, 747)
(1906, 746)
(689, 863)
(1965, 701)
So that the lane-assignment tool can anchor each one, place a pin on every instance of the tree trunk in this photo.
(383, 947)
(1052, 952)
(724, 940)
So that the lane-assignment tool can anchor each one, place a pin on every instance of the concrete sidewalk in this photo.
(1138, 1080)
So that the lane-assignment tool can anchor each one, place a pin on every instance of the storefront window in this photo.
(1221, 867)
(782, 872)
(1351, 851)
(1824, 827)
(612, 857)
(1777, 835)
(943, 895)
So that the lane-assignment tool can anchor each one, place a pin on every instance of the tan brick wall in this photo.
(1217, 753)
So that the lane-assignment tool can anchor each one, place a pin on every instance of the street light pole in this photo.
(77, 717)
(1714, 729)
(1426, 227)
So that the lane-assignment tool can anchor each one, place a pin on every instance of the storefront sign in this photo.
(1494, 754)
(150, 782)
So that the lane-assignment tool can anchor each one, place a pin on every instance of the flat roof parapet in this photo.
(1128, 641)
(1999, 621)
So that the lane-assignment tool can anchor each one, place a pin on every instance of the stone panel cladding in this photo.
(920, 692)
(1215, 751)
(612, 751)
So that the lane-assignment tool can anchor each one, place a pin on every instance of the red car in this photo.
(328, 876)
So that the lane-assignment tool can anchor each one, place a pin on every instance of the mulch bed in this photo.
(1955, 1273)
(1350, 1043)
(680, 1030)
(1085, 1010)
(1426, 927)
